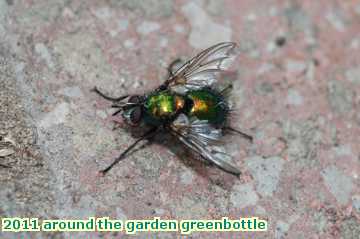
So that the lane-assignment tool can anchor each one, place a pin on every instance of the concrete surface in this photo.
(297, 91)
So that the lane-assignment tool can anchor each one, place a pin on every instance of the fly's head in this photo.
(132, 110)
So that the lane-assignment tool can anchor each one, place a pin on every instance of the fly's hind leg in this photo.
(113, 99)
(242, 134)
(227, 89)
(172, 65)
(148, 135)
(171, 70)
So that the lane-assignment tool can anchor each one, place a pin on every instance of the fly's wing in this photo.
(203, 138)
(202, 70)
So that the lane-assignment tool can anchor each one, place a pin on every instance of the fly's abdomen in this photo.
(207, 105)
(162, 106)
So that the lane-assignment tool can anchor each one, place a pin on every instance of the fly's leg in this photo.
(170, 69)
(118, 107)
(117, 112)
(147, 135)
(227, 89)
(4, 166)
(246, 136)
(114, 99)
(171, 66)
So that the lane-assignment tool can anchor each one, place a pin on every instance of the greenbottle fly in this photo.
(187, 105)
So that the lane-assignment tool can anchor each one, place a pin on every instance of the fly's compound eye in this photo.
(135, 115)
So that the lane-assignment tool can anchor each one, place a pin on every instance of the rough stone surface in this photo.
(340, 97)
(151, 8)
(148, 27)
(356, 202)
(243, 196)
(266, 172)
(294, 98)
(281, 229)
(350, 228)
(295, 89)
(204, 31)
(339, 184)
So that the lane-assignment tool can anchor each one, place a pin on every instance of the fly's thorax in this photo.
(207, 104)
(162, 106)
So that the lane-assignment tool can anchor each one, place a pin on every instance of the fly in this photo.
(187, 105)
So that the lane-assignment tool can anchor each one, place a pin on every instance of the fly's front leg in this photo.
(114, 99)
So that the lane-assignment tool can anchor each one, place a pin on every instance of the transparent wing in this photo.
(202, 70)
(203, 138)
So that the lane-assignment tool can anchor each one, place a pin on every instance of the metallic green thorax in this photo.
(208, 105)
(159, 107)
(205, 104)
